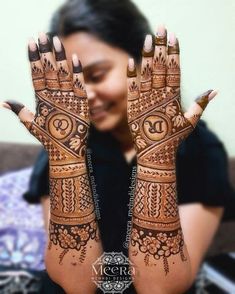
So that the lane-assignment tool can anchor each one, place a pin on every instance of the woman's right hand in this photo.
(61, 121)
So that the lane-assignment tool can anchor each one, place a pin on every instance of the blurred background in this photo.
(205, 30)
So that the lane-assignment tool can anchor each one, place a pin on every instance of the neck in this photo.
(123, 135)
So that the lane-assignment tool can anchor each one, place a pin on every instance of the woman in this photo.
(104, 34)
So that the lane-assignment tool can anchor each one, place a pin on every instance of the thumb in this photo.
(25, 116)
(195, 111)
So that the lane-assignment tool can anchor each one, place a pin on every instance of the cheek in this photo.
(114, 88)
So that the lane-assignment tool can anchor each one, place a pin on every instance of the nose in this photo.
(90, 92)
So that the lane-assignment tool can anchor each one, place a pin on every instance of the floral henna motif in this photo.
(158, 244)
(61, 124)
(158, 126)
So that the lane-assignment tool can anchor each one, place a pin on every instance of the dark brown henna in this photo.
(59, 56)
(15, 106)
(77, 68)
(158, 126)
(203, 100)
(61, 124)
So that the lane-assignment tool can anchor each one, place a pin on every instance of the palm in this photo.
(155, 116)
(61, 120)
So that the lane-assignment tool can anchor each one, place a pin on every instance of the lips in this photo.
(101, 110)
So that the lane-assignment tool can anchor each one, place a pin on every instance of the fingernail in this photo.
(212, 95)
(77, 66)
(14, 106)
(148, 46)
(172, 39)
(161, 36)
(44, 44)
(33, 50)
(59, 49)
(161, 31)
(5, 105)
(173, 44)
(148, 43)
(203, 99)
(131, 68)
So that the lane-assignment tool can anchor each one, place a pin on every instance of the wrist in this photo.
(67, 169)
(156, 173)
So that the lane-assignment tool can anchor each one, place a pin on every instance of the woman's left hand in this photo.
(155, 116)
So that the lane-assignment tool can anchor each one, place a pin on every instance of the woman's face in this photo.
(104, 69)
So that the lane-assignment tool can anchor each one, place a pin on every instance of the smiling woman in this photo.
(104, 69)
(136, 124)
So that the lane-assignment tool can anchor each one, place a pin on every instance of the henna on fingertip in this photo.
(33, 52)
(148, 49)
(77, 66)
(15, 106)
(131, 69)
(59, 49)
(173, 47)
(161, 36)
(203, 99)
(44, 43)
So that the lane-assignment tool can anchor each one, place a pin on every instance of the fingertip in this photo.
(172, 39)
(32, 44)
(131, 64)
(57, 44)
(131, 68)
(77, 66)
(212, 95)
(5, 105)
(42, 37)
(148, 43)
(14, 106)
(161, 30)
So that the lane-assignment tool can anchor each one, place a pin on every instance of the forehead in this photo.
(90, 49)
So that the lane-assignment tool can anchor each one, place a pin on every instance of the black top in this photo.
(202, 176)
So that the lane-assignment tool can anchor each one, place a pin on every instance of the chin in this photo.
(107, 125)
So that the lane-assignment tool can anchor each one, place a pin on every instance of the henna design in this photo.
(159, 245)
(73, 236)
(159, 61)
(16, 107)
(158, 126)
(61, 124)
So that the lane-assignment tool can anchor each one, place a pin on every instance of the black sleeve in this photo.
(202, 170)
(39, 181)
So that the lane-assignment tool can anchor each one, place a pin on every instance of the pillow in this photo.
(22, 233)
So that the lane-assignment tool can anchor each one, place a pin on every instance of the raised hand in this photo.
(61, 124)
(158, 125)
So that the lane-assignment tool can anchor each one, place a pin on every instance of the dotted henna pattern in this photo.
(61, 124)
(158, 125)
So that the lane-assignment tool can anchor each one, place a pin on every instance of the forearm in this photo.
(74, 242)
(157, 245)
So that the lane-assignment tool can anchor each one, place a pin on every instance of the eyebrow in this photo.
(94, 64)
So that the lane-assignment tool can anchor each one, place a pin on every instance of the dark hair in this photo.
(117, 22)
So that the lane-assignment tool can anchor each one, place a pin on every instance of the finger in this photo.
(25, 115)
(64, 75)
(36, 66)
(132, 90)
(173, 63)
(81, 101)
(159, 59)
(196, 109)
(48, 63)
(146, 65)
